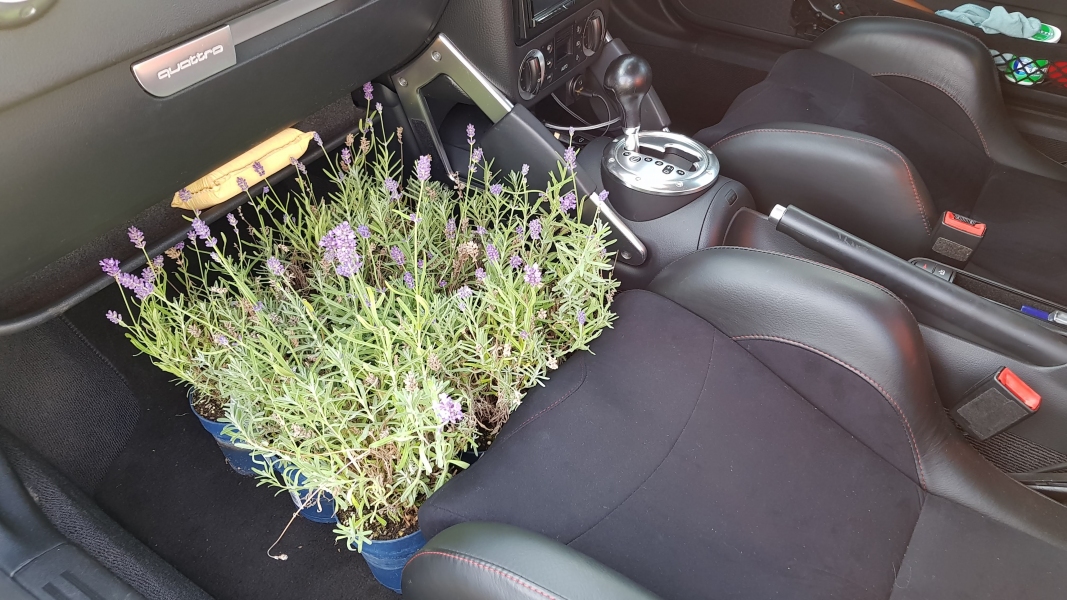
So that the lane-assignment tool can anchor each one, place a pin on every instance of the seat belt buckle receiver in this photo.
(998, 402)
(956, 238)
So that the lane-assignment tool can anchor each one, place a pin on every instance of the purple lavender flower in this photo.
(192, 237)
(470, 134)
(415, 218)
(114, 317)
(422, 168)
(525, 169)
(346, 156)
(258, 307)
(464, 293)
(421, 263)
(147, 274)
(515, 261)
(533, 274)
(136, 237)
(368, 90)
(581, 317)
(524, 335)
(442, 283)
(140, 287)
(397, 254)
(570, 131)
(393, 188)
(378, 106)
(318, 139)
(492, 253)
(200, 229)
(185, 195)
(496, 189)
(242, 183)
(266, 190)
(340, 245)
(479, 274)
(520, 229)
(450, 228)
(476, 156)
(535, 229)
(178, 247)
(221, 339)
(409, 280)
(232, 220)
(568, 202)
(448, 411)
(363, 231)
(215, 256)
(258, 168)
(299, 165)
(570, 158)
(275, 266)
(479, 230)
(157, 262)
(211, 242)
(110, 267)
(603, 195)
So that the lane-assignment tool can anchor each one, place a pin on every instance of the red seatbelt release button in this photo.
(1019, 389)
(998, 402)
(964, 224)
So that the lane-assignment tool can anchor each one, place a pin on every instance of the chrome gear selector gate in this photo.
(650, 173)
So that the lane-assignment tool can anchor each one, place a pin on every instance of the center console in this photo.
(665, 196)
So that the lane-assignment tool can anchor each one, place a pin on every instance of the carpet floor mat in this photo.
(171, 488)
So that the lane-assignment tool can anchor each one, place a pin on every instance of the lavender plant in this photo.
(367, 338)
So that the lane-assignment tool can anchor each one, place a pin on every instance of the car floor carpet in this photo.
(171, 488)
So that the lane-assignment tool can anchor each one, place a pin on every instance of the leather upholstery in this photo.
(756, 294)
(949, 60)
(854, 181)
(493, 561)
(759, 425)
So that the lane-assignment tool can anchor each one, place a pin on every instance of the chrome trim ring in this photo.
(645, 170)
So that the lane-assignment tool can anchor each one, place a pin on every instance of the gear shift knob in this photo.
(630, 77)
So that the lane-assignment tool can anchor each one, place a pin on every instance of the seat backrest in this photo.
(952, 62)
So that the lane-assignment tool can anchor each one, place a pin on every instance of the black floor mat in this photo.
(171, 488)
(65, 401)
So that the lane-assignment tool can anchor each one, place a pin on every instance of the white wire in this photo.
(569, 111)
(583, 128)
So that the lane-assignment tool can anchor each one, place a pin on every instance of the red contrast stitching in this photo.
(977, 130)
(885, 394)
(585, 372)
(911, 179)
(481, 565)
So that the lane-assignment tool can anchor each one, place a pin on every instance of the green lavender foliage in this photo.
(369, 338)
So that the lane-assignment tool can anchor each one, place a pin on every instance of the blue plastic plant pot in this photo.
(386, 558)
(238, 459)
(322, 510)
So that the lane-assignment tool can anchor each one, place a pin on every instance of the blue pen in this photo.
(1036, 313)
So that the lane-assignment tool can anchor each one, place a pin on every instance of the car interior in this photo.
(839, 366)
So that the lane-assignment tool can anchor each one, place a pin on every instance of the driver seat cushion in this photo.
(721, 460)
(1024, 247)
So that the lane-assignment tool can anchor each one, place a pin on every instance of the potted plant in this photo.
(365, 340)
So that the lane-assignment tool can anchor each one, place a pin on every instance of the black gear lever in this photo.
(630, 77)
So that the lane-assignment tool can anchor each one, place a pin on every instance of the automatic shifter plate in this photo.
(664, 164)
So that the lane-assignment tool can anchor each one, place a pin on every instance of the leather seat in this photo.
(755, 426)
(883, 124)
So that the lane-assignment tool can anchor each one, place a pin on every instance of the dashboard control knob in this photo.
(593, 33)
(531, 74)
